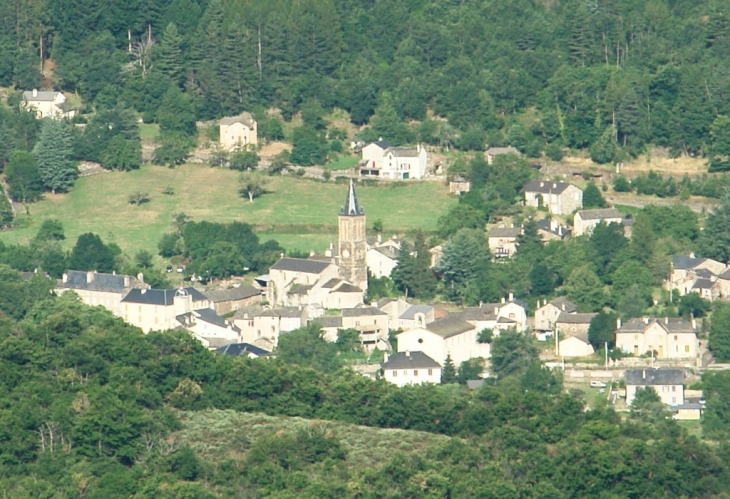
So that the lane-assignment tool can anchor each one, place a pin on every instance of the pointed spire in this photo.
(351, 207)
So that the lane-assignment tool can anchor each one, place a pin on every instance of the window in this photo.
(636, 337)
(686, 349)
(674, 400)
(415, 372)
(674, 388)
(430, 372)
(395, 374)
(675, 337)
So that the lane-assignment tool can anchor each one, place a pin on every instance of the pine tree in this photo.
(170, 59)
(628, 116)
(448, 372)
(53, 153)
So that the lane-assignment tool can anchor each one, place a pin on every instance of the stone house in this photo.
(382, 258)
(575, 346)
(585, 220)
(560, 198)
(370, 322)
(493, 152)
(238, 131)
(209, 328)
(450, 336)
(394, 307)
(264, 327)
(669, 338)
(97, 288)
(705, 276)
(667, 383)
(417, 316)
(503, 241)
(47, 104)
(459, 185)
(573, 324)
(232, 299)
(497, 316)
(551, 230)
(410, 368)
(158, 309)
(547, 315)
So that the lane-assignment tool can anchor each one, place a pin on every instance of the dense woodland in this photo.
(609, 76)
(89, 405)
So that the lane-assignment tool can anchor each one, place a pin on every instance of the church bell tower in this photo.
(352, 242)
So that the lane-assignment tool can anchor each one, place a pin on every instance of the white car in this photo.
(598, 384)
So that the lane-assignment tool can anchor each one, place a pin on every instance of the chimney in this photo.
(380, 238)
(666, 320)
(64, 278)
(542, 184)
(643, 373)
(126, 281)
(503, 300)
(554, 225)
(143, 291)
(646, 320)
(90, 275)
(385, 357)
(563, 306)
(694, 323)
(35, 92)
(555, 186)
(408, 353)
(140, 277)
(618, 323)
(114, 272)
(511, 296)
(311, 254)
(281, 255)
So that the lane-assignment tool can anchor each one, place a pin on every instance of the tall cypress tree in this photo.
(53, 153)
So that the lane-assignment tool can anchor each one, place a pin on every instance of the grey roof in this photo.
(725, 275)
(505, 232)
(300, 289)
(563, 303)
(361, 312)
(331, 283)
(351, 207)
(383, 144)
(545, 187)
(703, 284)
(385, 301)
(544, 225)
(410, 360)
(43, 95)
(328, 321)
(348, 288)
(205, 315)
(473, 384)
(389, 251)
(243, 118)
(567, 318)
(411, 312)
(671, 325)
(581, 335)
(694, 406)
(686, 262)
(706, 273)
(654, 377)
(232, 294)
(282, 312)
(300, 265)
(600, 214)
(495, 151)
(26, 276)
(237, 349)
(163, 297)
(403, 152)
(113, 283)
(449, 326)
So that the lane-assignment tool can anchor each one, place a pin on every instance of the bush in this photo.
(554, 152)
(139, 198)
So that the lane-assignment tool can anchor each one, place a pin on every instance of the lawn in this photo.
(149, 132)
(300, 213)
(343, 163)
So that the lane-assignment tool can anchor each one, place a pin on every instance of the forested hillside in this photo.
(90, 407)
(610, 76)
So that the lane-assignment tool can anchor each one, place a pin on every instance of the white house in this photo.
(450, 336)
(547, 314)
(667, 383)
(669, 338)
(380, 159)
(585, 220)
(47, 104)
(209, 328)
(575, 346)
(238, 131)
(158, 309)
(410, 368)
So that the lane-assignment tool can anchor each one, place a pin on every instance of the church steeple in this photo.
(351, 208)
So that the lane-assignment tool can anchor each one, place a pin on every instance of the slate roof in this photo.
(410, 360)
(300, 289)
(600, 214)
(388, 251)
(331, 283)
(706, 273)
(351, 207)
(237, 349)
(671, 325)
(411, 312)
(328, 321)
(582, 336)
(303, 265)
(449, 326)
(348, 288)
(290, 312)
(725, 275)
(496, 151)
(78, 279)
(164, 297)
(243, 118)
(566, 318)
(473, 384)
(205, 315)
(383, 144)
(654, 377)
(545, 187)
(403, 152)
(505, 232)
(361, 312)
(43, 95)
(686, 262)
(560, 301)
(232, 294)
(544, 225)
(703, 284)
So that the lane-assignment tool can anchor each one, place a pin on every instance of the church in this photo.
(336, 280)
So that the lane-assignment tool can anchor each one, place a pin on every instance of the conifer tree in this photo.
(170, 60)
(448, 372)
(53, 153)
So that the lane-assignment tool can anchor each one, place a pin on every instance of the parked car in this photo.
(598, 384)
(168, 269)
(180, 268)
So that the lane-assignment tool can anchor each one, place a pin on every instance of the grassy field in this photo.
(301, 214)
(343, 163)
(215, 434)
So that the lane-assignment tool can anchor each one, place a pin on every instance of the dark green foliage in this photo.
(621, 184)
(23, 177)
(448, 371)
(53, 154)
(243, 160)
(50, 230)
(6, 210)
(90, 253)
(714, 240)
(173, 149)
(602, 329)
(693, 305)
(413, 274)
(464, 267)
(307, 347)
(592, 197)
(112, 139)
(719, 342)
(513, 352)
(470, 369)
(310, 146)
